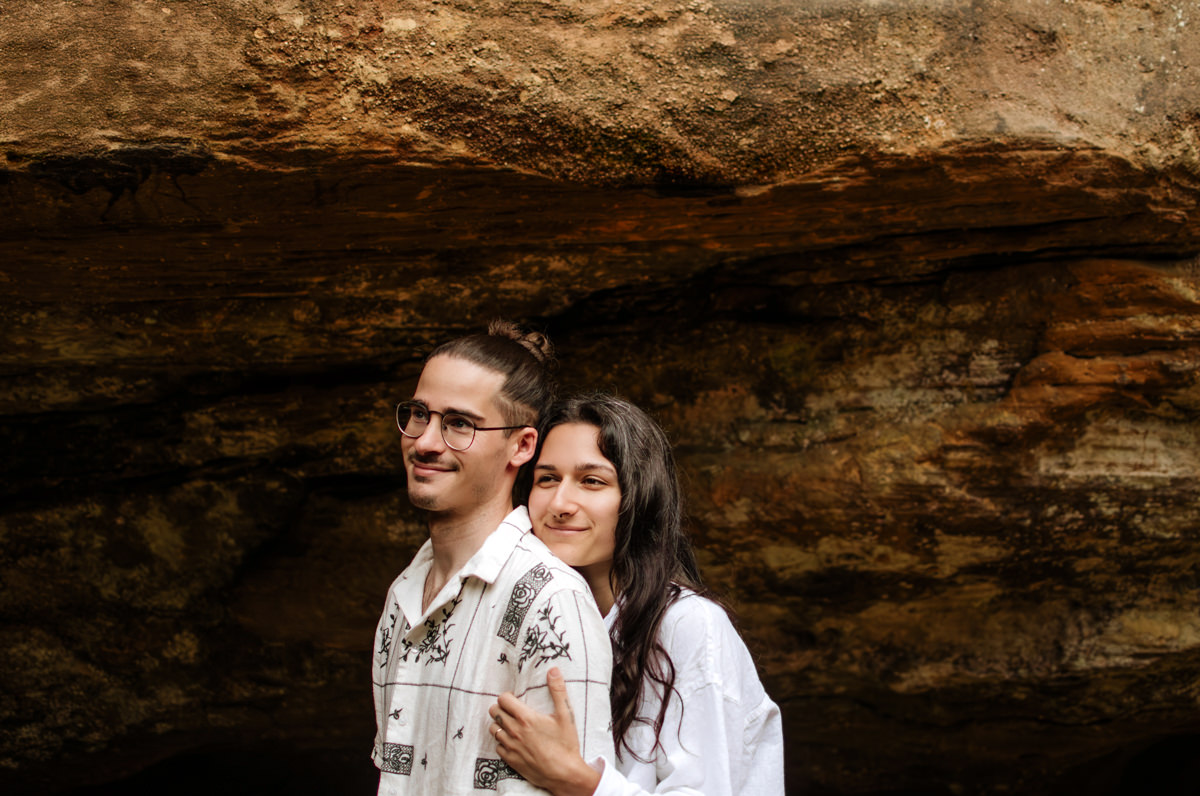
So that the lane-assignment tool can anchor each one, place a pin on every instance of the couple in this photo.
(493, 670)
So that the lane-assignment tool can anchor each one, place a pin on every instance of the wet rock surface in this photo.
(912, 286)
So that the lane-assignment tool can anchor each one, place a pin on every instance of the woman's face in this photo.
(576, 499)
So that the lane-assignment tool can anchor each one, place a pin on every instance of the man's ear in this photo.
(526, 446)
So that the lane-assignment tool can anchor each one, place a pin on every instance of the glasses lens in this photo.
(411, 419)
(458, 431)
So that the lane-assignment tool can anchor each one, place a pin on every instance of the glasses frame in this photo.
(431, 412)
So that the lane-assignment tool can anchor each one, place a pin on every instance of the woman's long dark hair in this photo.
(653, 559)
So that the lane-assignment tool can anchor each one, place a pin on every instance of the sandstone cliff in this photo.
(912, 285)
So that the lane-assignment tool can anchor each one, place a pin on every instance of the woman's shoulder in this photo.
(692, 612)
(704, 646)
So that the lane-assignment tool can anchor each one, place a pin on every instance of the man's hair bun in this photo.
(535, 343)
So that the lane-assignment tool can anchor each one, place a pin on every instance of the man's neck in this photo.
(455, 539)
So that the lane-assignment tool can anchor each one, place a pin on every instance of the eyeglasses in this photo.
(458, 431)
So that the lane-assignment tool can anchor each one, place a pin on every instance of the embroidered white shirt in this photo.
(510, 614)
(722, 736)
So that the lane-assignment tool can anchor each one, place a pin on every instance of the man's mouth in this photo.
(428, 468)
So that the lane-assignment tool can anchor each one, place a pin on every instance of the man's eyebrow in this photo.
(450, 410)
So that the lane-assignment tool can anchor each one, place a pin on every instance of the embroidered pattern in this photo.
(385, 635)
(397, 758)
(436, 644)
(544, 641)
(489, 771)
(523, 595)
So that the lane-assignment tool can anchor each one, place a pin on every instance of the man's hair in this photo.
(653, 560)
(525, 359)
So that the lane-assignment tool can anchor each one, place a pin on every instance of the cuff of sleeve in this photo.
(610, 778)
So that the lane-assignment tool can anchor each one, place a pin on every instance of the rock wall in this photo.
(913, 286)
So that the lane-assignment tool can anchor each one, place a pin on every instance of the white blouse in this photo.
(722, 735)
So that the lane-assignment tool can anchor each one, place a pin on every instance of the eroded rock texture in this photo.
(913, 286)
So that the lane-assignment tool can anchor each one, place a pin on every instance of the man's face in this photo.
(442, 479)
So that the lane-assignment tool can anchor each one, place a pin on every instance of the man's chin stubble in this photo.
(422, 501)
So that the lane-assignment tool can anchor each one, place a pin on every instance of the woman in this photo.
(688, 712)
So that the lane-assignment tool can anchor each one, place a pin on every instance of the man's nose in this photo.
(430, 439)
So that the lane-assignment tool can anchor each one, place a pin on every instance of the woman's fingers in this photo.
(512, 707)
(558, 692)
(501, 720)
(542, 747)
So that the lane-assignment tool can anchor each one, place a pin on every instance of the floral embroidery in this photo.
(385, 635)
(544, 640)
(436, 644)
(489, 771)
(523, 595)
(397, 758)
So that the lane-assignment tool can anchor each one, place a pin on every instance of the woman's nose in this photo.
(562, 503)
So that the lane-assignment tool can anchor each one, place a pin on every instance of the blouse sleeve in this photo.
(722, 735)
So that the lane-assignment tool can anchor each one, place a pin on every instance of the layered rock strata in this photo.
(913, 286)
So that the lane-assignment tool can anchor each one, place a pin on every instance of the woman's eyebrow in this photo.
(585, 467)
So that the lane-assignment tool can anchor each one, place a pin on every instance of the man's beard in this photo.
(418, 498)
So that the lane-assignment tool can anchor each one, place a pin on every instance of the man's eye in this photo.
(418, 414)
(456, 423)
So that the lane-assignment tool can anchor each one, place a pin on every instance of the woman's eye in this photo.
(544, 480)
(593, 481)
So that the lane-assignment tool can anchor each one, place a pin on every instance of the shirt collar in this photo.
(498, 547)
(485, 565)
(610, 618)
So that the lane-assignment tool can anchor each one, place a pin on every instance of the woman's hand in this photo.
(543, 748)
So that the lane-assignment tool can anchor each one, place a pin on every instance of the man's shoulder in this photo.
(532, 566)
(549, 615)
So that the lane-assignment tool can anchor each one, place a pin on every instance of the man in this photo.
(483, 608)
